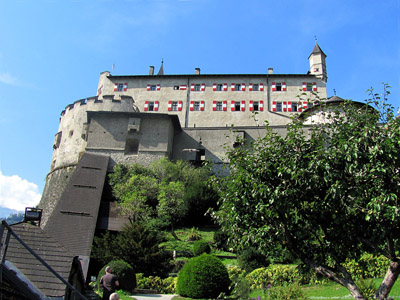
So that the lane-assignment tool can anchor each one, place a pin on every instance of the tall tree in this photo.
(326, 192)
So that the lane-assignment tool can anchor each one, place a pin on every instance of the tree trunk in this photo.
(174, 234)
(389, 280)
(345, 281)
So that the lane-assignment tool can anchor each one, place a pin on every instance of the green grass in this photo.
(331, 290)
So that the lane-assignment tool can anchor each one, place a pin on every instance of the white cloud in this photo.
(7, 78)
(17, 193)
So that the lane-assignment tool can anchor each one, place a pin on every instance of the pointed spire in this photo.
(161, 71)
(317, 49)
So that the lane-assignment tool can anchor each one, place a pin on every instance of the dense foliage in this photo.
(125, 274)
(203, 276)
(250, 259)
(200, 247)
(137, 245)
(174, 192)
(327, 192)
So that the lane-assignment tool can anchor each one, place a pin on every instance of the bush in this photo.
(274, 275)
(251, 259)
(194, 235)
(200, 247)
(163, 286)
(221, 240)
(203, 276)
(124, 272)
(367, 266)
(240, 286)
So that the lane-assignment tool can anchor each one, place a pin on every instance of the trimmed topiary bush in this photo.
(251, 259)
(200, 247)
(124, 272)
(204, 276)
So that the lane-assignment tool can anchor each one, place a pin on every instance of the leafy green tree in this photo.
(172, 206)
(137, 245)
(173, 191)
(326, 192)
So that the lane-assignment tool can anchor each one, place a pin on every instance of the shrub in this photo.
(367, 266)
(240, 286)
(124, 272)
(200, 247)
(367, 287)
(221, 240)
(203, 276)
(194, 235)
(274, 275)
(163, 286)
(251, 259)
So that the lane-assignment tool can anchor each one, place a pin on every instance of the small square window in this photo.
(174, 106)
(309, 87)
(151, 106)
(278, 87)
(294, 106)
(256, 106)
(197, 87)
(256, 87)
(219, 105)
(153, 88)
(176, 87)
(237, 106)
(238, 87)
(219, 87)
(196, 106)
(120, 87)
(278, 106)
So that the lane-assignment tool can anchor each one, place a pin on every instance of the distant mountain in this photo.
(5, 212)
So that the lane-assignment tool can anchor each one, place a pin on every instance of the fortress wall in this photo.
(56, 183)
(70, 141)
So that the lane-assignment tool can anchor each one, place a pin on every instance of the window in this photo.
(278, 106)
(151, 106)
(220, 87)
(294, 106)
(255, 105)
(176, 88)
(238, 87)
(309, 87)
(256, 87)
(120, 87)
(174, 106)
(219, 105)
(237, 106)
(197, 87)
(196, 106)
(278, 87)
(153, 88)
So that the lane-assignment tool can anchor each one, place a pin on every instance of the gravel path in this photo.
(152, 297)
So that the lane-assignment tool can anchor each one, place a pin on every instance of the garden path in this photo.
(152, 297)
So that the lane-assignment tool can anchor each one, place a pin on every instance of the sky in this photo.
(52, 53)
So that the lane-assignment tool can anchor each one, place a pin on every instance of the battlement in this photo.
(106, 99)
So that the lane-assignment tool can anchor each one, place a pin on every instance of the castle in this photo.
(142, 118)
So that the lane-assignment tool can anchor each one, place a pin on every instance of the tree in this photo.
(173, 191)
(326, 192)
(137, 245)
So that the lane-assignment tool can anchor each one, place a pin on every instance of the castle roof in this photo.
(317, 50)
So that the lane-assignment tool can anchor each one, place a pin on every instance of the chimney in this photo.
(151, 71)
(270, 70)
(197, 71)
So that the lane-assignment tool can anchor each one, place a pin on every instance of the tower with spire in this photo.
(317, 63)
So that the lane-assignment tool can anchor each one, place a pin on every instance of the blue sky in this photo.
(52, 52)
